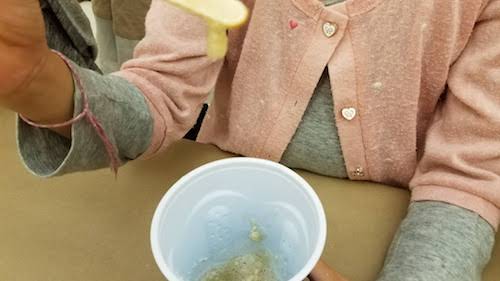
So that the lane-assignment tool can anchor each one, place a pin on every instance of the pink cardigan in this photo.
(416, 86)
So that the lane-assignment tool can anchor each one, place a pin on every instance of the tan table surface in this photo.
(91, 227)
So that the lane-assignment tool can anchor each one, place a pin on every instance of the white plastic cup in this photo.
(205, 218)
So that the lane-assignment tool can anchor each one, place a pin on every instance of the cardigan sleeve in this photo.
(460, 164)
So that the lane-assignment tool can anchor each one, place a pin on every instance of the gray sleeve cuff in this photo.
(123, 113)
(439, 242)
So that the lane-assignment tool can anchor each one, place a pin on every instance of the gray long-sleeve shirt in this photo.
(436, 241)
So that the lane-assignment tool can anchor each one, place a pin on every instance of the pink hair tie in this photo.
(86, 113)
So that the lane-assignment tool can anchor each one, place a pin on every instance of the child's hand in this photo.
(33, 81)
(322, 272)
(23, 47)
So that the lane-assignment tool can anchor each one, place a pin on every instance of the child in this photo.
(401, 92)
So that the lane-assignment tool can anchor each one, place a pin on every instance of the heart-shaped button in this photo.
(349, 113)
(329, 29)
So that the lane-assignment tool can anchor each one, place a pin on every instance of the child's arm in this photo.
(159, 92)
(460, 166)
(172, 70)
(439, 242)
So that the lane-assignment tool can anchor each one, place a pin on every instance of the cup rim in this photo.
(170, 195)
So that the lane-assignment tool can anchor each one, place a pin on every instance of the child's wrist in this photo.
(48, 98)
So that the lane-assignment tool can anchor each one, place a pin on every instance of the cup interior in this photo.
(206, 217)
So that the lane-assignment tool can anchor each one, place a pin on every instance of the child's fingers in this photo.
(322, 272)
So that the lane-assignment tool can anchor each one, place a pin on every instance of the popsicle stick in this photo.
(220, 16)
